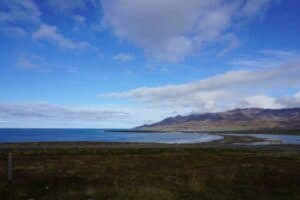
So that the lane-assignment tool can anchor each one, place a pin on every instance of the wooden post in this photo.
(10, 166)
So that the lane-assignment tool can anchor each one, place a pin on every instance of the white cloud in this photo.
(56, 112)
(263, 101)
(231, 41)
(290, 101)
(283, 54)
(254, 7)
(123, 57)
(19, 11)
(51, 115)
(223, 91)
(14, 12)
(66, 6)
(51, 33)
(171, 30)
(267, 58)
(260, 101)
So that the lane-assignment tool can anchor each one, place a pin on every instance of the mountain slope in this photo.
(250, 119)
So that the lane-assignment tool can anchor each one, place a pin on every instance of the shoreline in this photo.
(228, 142)
(265, 131)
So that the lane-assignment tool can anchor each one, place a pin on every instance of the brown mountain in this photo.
(250, 119)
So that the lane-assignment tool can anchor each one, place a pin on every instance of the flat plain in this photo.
(163, 172)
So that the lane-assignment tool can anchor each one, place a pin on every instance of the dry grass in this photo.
(151, 174)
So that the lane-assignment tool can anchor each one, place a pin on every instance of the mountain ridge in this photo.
(241, 119)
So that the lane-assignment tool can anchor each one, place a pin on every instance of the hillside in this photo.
(249, 119)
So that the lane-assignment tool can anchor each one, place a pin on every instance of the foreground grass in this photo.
(151, 174)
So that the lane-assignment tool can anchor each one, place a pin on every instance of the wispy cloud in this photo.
(37, 63)
(52, 115)
(152, 26)
(29, 62)
(51, 33)
(42, 111)
(123, 57)
(66, 7)
(231, 41)
(79, 19)
(267, 58)
(12, 31)
(19, 11)
(14, 12)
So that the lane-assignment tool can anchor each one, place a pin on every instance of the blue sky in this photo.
(123, 63)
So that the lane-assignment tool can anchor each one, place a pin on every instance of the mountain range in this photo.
(248, 119)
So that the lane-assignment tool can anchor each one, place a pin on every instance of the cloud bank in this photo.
(51, 115)
(166, 30)
(171, 30)
(239, 88)
(43, 115)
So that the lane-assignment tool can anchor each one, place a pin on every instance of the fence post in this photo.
(10, 166)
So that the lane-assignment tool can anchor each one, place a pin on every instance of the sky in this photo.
(124, 63)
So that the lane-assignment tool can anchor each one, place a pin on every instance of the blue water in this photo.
(98, 135)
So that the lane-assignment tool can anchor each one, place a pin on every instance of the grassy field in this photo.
(151, 174)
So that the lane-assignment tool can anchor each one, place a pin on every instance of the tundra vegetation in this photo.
(157, 173)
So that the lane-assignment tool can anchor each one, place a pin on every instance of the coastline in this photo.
(228, 142)
(264, 131)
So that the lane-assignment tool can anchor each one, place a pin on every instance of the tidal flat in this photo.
(163, 172)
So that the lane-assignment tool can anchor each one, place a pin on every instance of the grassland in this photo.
(160, 173)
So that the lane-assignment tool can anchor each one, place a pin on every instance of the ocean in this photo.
(12, 135)
(100, 135)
